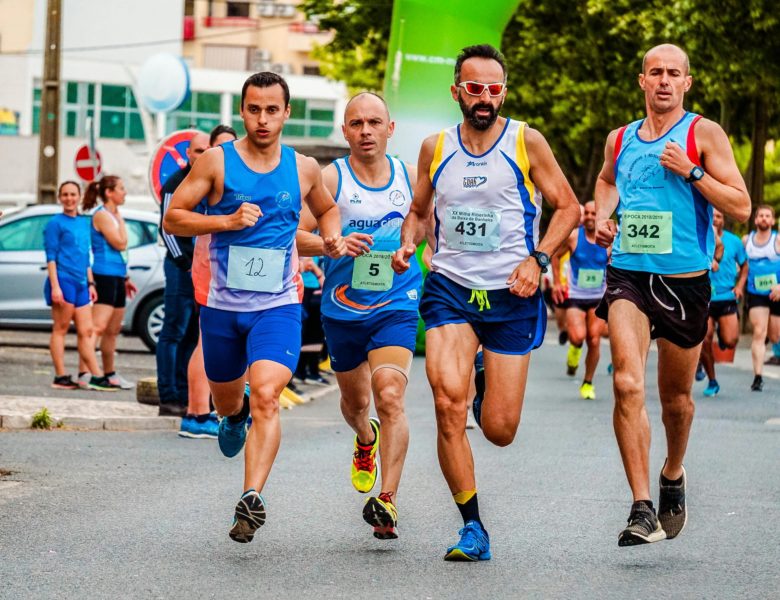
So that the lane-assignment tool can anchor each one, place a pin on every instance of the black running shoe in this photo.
(382, 515)
(64, 382)
(250, 516)
(563, 337)
(758, 384)
(672, 513)
(643, 526)
(102, 384)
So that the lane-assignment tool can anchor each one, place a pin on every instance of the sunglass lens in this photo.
(495, 89)
(474, 88)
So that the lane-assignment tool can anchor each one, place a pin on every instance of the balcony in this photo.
(230, 22)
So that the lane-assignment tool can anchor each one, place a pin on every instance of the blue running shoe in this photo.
(610, 369)
(700, 374)
(474, 544)
(192, 428)
(479, 383)
(249, 517)
(712, 388)
(232, 436)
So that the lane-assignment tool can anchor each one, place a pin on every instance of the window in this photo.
(119, 114)
(78, 102)
(308, 118)
(24, 234)
(238, 9)
(140, 233)
(200, 110)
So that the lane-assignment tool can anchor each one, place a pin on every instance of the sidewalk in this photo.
(16, 412)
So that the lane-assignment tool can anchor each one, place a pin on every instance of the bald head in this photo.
(667, 51)
(198, 145)
(367, 99)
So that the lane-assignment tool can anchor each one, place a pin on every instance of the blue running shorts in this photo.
(75, 293)
(233, 341)
(349, 342)
(511, 324)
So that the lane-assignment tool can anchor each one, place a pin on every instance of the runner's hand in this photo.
(559, 293)
(57, 297)
(524, 280)
(605, 232)
(93, 294)
(401, 257)
(358, 243)
(335, 247)
(130, 288)
(245, 216)
(738, 292)
(676, 160)
(774, 295)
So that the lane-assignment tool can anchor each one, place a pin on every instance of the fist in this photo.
(246, 216)
(335, 247)
(400, 261)
(605, 232)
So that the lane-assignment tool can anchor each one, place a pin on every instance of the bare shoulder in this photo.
(307, 166)
(210, 162)
(330, 177)
(708, 131)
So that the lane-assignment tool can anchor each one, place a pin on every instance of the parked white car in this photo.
(23, 271)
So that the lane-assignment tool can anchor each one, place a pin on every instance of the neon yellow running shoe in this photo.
(587, 391)
(382, 515)
(364, 462)
(573, 359)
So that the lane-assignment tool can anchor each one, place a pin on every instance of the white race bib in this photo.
(255, 269)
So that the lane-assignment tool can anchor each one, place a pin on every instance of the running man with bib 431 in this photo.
(662, 174)
(488, 174)
(252, 319)
(370, 312)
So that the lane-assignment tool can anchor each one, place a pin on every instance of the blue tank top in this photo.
(106, 259)
(379, 212)
(256, 268)
(649, 191)
(591, 258)
(724, 279)
(66, 241)
(763, 262)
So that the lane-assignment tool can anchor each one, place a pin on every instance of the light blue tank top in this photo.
(379, 212)
(256, 268)
(591, 260)
(763, 261)
(646, 187)
(106, 260)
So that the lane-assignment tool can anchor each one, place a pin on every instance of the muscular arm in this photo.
(320, 202)
(722, 184)
(181, 218)
(115, 232)
(606, 195)
(416, 224)
(548, 177)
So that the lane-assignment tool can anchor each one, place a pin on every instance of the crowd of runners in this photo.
(664, 270)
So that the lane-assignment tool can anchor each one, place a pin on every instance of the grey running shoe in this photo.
(643, 526)
(117, 380)
(250, 516)
(672, 513)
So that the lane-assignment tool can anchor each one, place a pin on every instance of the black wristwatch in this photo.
(542, 259)
(695, 175)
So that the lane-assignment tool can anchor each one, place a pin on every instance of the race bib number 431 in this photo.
(646, 232)
(255, 269)
(475, 229)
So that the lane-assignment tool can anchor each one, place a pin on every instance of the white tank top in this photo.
(487, 208)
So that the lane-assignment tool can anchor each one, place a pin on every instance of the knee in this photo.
(594, 341)
(628, 385)
(354, 405)
(500, 432)
(85, 333)
(576, 337)
(390, 402)
(450, 414)
(677, 406)
(263, 402)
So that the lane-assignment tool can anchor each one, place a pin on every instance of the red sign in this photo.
(170, 156)
(88, 164)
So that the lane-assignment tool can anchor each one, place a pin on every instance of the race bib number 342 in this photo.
(646, 232)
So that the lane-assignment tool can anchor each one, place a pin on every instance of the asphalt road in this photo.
(145, 515)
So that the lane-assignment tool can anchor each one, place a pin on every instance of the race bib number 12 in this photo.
(255, 269)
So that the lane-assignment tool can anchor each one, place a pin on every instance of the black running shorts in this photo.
(754, 300)
(676, 307)
(722, 308)
(110, 290)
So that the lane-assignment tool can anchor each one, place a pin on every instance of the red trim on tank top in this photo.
(618, 143)
(690, 143)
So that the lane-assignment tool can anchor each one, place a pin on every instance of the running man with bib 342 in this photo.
(662, 174)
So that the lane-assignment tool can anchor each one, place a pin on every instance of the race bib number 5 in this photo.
(475, 229)
(255, 269)
(646, 232)
(373, 271)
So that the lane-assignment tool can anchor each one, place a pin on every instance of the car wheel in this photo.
(150, 320)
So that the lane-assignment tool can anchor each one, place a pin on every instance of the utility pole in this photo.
(49, 143)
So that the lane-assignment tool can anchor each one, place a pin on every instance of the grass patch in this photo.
(42, 419)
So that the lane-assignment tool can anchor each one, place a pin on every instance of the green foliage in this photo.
(42, 419)
(358, 51)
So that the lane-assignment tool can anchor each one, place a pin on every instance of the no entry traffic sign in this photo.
(88, 164)
(170, 156)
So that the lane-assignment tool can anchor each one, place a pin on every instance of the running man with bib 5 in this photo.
(370, 312)
(488, 174)
(254, 186)
(663, 174)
